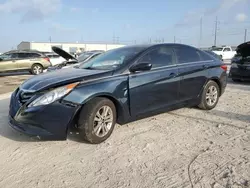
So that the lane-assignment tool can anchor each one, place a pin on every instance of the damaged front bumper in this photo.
(49, 121)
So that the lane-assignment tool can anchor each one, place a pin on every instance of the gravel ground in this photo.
(182, 148)
(9, 82)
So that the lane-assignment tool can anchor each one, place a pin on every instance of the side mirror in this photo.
(140, 67)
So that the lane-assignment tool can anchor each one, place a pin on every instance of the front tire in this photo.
(97, 120)
(210, 96)
(36, 69)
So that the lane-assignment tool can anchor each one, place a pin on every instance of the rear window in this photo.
(23, 55)
(207, 55)
(53, 56)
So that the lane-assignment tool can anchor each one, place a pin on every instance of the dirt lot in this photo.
(182, 148)
(9, 82)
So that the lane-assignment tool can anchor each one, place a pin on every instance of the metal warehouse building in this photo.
(69, 47)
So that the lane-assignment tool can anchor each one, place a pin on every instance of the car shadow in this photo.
(14, 73)
(210, 121)
(231, 115)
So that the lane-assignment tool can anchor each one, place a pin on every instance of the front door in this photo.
(8, 62)
(157, 88)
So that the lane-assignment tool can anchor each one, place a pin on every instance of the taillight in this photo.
(47, 59)
(224, 67)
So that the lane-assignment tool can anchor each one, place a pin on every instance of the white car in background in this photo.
(54, 58)
(225, 52)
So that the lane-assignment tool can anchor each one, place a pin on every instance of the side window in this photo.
(226, 50)
(187, 54)
(9, 56)
(34, 55)
(160, 57)
(23, 55)
(14, 56)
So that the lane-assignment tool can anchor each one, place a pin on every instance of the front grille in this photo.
(24, 96)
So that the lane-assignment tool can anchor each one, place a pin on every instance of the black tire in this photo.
(87, 115)
(204, 103)
(36, 69)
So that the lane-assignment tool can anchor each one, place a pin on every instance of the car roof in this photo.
(23, 51)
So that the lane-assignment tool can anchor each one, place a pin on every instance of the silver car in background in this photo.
(71, 60)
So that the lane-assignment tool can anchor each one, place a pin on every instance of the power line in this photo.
(200, 32)
(215, 31)
(245, 36)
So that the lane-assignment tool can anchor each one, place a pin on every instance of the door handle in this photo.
(172, 75)
(205, 66)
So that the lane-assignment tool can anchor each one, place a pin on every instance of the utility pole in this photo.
(200, 32)
(245, 36)
(113, 38)
(174, 39)
(215, 31)
(50, 39)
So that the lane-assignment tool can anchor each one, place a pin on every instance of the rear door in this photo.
(23, 61)
(193, 71)
(157, 88)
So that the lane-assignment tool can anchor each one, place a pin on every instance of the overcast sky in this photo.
(133, 21)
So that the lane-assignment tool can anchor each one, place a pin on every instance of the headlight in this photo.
(53, 95)
(234, 65)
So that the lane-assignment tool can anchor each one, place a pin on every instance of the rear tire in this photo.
(210, 96)
(36, 69)
(97, 120)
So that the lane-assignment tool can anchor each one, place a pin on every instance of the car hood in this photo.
(244, 49)
(60, 77)
(62, 53)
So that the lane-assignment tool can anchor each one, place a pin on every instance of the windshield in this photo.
(5, 56)
(112, 59)
(84, 56)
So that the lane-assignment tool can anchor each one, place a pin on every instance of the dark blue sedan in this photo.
(118, 86)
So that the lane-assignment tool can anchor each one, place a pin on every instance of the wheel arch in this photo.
(217, 81)
(120, 117)
(36, 63)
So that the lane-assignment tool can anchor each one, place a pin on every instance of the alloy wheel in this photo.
(211, 95)
(37, 69)
(103, 121)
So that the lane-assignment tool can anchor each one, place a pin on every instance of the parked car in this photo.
(70, 60)
(33, 61)
(120, 85)
(240, 67)
(226, 52)
(213, 54)
(54, 58)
